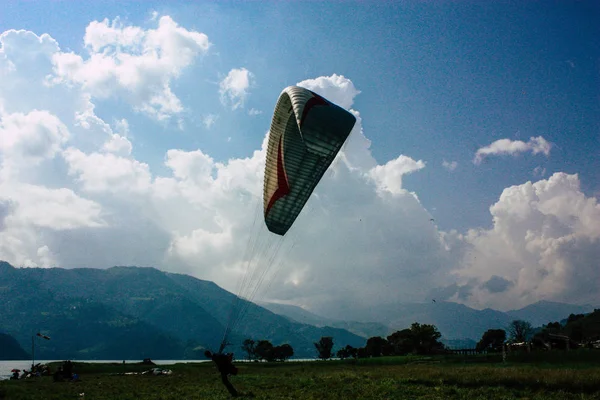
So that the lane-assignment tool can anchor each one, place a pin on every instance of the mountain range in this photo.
(133, 313)
(136, 313)
(10, 349)
(456, 322)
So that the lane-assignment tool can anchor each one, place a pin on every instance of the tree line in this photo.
(424, 339)
(264, 350)
(578, 330)
(418, 339)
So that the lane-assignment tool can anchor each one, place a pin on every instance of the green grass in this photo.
(383, 378)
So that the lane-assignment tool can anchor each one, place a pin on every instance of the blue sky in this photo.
(438, 81)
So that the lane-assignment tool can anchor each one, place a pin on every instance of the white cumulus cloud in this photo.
(389, 176)
(56, 209)
(90, 200)
(33, 137)
(107, 172)
(118, 144)
(545, 243)
(234, 88)
(338, 89)
(513, 147)
(133, 63)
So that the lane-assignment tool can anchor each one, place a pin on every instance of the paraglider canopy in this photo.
(307, 131)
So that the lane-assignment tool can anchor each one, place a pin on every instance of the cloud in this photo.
(357, 196)
(107, 172)
(513, 147)
(539, 171)
(234, 87)
(32, 137)
(190, 165)
(118, 145)
(389, 176)
(90, 200)
(254, 111)
(135, 64)
(5, 210)
(212, 209)
(339, 89)
(496, 284)
(56, 209)
(450, 166)
(209, 120)
(32, 214)
(544, 244)
(355, 153)
(44, 208)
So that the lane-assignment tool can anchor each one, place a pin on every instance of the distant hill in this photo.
(582, 329)
(298, 314)
(459, 343)
(134, 313)
(10, 349)
(456, 322)
(543, 312)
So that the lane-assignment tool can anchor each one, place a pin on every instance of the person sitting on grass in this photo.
(225, 366)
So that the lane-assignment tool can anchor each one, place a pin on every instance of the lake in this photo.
(7, 366)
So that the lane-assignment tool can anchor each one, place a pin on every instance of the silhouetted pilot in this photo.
(225, 366)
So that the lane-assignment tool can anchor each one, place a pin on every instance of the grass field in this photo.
(383, 378)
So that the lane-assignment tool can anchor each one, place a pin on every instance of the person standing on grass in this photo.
(225, 366)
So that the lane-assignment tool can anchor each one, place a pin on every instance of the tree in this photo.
(347, 352)
(425, 338)
(249, 346)
(264, 350)
(492, 340)
(402, 342)
(419, 338)
(553, 327)
(575, 317)
(519, 330)
(283, 352)
(362, 352)
(324, 346)
(576, 330)
(378, 346)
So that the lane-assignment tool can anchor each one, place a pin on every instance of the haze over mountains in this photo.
(455, 321)
(134, 313)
